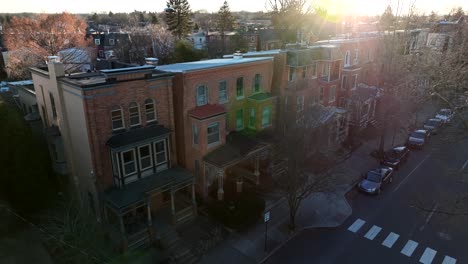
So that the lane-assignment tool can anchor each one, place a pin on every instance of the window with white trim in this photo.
(356, 56)
(332, 93)
(150, 110)
(354, 81)
(128, 162)
(97, 41)
(195, 134)
(161, 152)
(292, 74)
(145, 157)
(213, 133)
(252, 118)
(134, 114)
(257, 83)
(266, 116)
(223, 93)
(240, 88)
(240, 119)
(52, 103)
(344, 83)
(111, 42)
(300, 103)
(347, 60)
(202, 95)
(117, 118)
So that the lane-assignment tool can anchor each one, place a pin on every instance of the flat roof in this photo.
(208, 64)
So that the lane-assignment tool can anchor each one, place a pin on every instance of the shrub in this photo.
(239, 213)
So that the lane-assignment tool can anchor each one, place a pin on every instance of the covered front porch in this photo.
(238, 162)
(141, 210)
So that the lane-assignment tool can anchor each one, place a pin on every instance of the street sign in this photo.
(267, 216)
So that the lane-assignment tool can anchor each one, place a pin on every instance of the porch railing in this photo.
(184, 214)
(138, 239)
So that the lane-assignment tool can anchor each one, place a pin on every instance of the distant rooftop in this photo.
(208, 64)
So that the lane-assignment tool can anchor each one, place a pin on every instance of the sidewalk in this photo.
(328, 209)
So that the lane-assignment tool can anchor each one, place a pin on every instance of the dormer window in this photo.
(134, 114)
(97, 41)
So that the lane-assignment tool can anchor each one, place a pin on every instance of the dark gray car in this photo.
(418, 138)
(433, 125)
(375, 179)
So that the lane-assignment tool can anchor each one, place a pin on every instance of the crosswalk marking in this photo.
(449, 260)
(409, 248)
(373, 232)
(356, 225)
(428, 256)
(390, 240)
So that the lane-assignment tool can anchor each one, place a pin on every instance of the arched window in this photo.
(150, 110)
(347, 59)
(117, 118)
(134, 114)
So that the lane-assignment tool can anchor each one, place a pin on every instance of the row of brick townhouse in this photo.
(141, 142)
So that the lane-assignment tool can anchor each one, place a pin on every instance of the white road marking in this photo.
(390, 240)
(356, 225)
(372, 233)
(428, 218)
(449, 260)
(409, 248)
(428, 256)
(464, 165)
(407, 176)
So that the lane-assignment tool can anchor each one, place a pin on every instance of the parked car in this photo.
(460, 102)
(445, 115)
(418, 138)
(433, 125)
(375, 179)
(395, 157)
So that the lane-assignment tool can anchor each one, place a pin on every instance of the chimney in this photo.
(151, 61)
(237, 55)
(55, 67)
(52, 59)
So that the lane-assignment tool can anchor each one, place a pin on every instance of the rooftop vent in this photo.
(237, 55)
(151, 61)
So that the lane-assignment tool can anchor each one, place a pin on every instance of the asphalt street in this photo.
(419, 218)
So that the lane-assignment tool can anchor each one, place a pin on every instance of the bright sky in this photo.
(347, 7)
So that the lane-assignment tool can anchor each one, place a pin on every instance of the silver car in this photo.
(445, 115)
(375, 179)
(433, 125)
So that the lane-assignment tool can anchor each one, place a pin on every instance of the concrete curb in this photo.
(293, 235)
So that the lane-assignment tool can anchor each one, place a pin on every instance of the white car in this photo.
(445, 115)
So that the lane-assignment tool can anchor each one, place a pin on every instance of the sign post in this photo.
(266, 219)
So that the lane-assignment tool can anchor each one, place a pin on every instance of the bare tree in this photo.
(288, 17)
(297, 175)
(31, 40)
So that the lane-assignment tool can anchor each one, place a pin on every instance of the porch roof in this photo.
(137, 135)
(136, 192)
(237, 148)
(206, 111)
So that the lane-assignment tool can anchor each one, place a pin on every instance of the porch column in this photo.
(148, 206)
(220, 184)
(122, 231)
(194, 201)
(257, 168)
(172, 203)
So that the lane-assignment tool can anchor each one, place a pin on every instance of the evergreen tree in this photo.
(225, 20)
(387, 19)
(178, 18)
